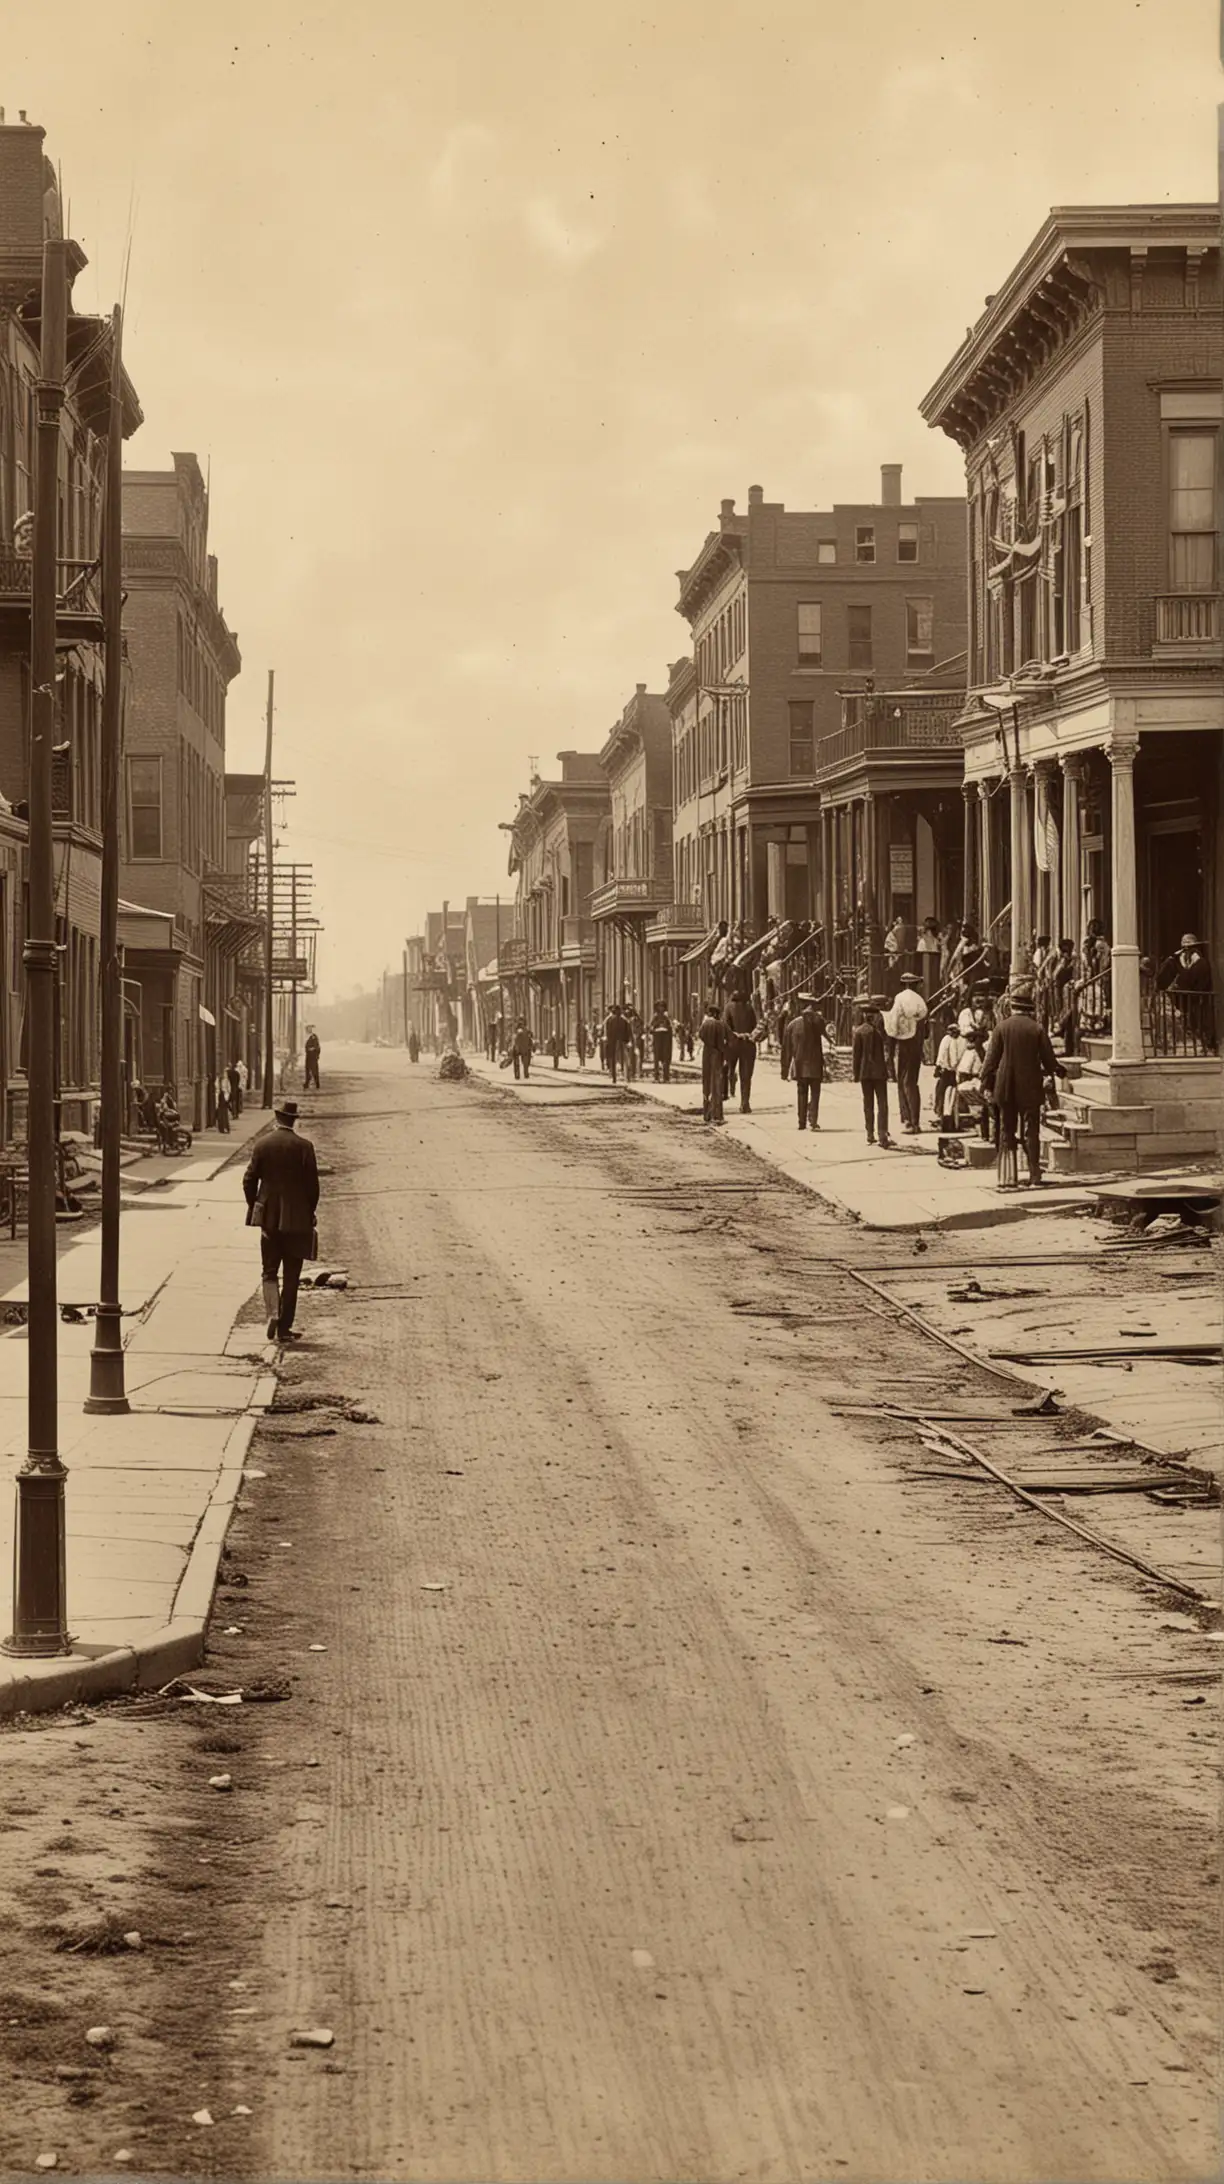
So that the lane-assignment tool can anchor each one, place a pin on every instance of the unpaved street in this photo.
(685, 1788)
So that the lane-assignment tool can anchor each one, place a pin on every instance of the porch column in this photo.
(828, 899)
(986, 863)
(1045, 774)
(1126, 1015)
(1020, 921)
(969, 889)
(1072, 766)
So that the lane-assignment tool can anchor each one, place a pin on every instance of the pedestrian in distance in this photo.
(223, 1106)
(313, 1051)
(281, 1186)
(740, 1018)
(522, 1047)
(617, 1035)
(869, 1055)
(581, 1041)
(712, 1035)
(661, 1043)
(556, 1048)
(803, 1058)
(414, 1045)
(635, 1052)
(904, 1025)
(1019, 1062)
(952, 1047)
(233, 1078)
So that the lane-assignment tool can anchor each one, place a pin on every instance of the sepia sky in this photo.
(478, 311)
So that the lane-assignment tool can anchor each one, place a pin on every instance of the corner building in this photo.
(1087, 400)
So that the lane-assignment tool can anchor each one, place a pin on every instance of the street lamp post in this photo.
(107, 1392)
(40, 1611)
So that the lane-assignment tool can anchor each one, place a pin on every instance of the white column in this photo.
(1020, 853)
(1071, 885)
(1127, 1017)
(986, 860)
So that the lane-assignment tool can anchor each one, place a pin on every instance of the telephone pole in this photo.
(269, 1069)
(107, 1392)
(40, 1609)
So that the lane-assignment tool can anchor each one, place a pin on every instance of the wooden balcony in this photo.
(1187, 626)
(900, 729)
(677, 923)
(78, 610)
(629, 898)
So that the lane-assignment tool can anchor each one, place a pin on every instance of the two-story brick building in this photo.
(1087, 400)
(29, 211)
(789, 609)
(183, 659)
(633, 860)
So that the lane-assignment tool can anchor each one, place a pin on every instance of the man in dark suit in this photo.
(803, 1057)
(282, 1193)
(1018, 1061)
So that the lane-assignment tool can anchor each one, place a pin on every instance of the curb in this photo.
(181, 1643)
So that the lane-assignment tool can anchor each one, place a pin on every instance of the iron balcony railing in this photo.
(634, 893)
(78, 584)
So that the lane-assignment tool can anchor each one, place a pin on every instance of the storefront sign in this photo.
(901, 868)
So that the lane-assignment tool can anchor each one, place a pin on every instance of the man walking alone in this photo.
(1018, 1061)
(741, 1020)
(313, 1051)
(871, 1071)
(281, 1186)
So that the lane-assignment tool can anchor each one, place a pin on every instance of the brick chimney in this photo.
(890, 485)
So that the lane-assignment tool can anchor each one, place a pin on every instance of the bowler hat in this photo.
(910, 978)
(287, 1108)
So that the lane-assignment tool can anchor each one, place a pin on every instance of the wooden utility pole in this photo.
(293, 883)
(40, 1608)
(106, 1364)
(405, 997)
(269, 1068)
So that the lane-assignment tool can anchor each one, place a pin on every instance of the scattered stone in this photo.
(433, 1588)
(318, 2036)
(70, 2071)
(903, 1743)
(241, 2110)
(898, 1812)
(45, 2161)
(642, 1959)
(134, 1940)
(202, 2115)
(316, 1649)
(100, 2036)
(124, 2154)
(973, 1990)
(220, 1782)
(237, 1986)
(982, 1933)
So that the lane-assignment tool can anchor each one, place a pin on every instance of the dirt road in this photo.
(682, 1791)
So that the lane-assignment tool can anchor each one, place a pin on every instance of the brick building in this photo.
(30, 210)
(1087, 400)
(183, 659)
(788, 610)
(548, 962)
(633, 854)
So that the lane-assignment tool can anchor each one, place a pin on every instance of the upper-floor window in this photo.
(810, 638)
(907, 542)
(144, 807)
(802, 737)
(826, 551)
(1193, 513)
(919, 630)
(858, 630)
(864, 542)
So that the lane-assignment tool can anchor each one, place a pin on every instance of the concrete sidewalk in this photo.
(149, 1496)
(903, 1189)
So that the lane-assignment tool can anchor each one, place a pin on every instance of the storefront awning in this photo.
(702, 948)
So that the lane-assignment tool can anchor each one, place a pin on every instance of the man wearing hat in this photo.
(904, 1025)
(1018, 1061)
(803, 1056)
(1186, 975)
(313, 1051)
(281, 1186)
